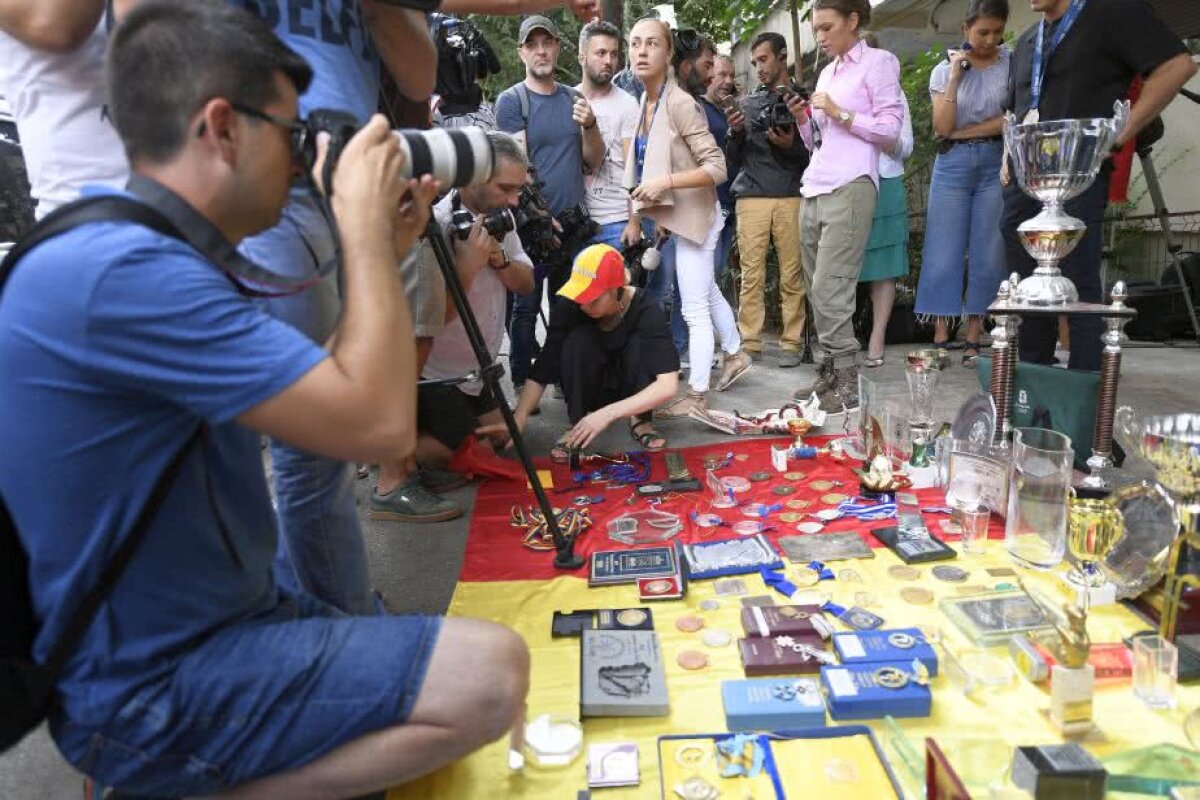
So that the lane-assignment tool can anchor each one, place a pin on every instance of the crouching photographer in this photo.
(138, 373)
(453, 415)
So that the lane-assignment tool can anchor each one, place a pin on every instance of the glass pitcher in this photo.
(1039, 482)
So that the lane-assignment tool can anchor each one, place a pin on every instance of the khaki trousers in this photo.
(834, 229)
(759, 219)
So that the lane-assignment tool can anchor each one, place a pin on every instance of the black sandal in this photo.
(646, 437)
(970, 353)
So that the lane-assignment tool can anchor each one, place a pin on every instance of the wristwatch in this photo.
(844, 116)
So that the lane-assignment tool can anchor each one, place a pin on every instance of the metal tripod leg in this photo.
(1173, 247)
(564, 546)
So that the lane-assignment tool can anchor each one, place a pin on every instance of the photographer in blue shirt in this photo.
(199, 674)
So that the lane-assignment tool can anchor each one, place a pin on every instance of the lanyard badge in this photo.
(1040, 61)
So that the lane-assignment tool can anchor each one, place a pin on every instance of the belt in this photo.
(946, 145)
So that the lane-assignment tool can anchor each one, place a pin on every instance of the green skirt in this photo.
(887, 247)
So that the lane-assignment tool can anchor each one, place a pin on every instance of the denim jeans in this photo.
(321, 548)
(664, 288)
(522, 328)
(961, 236)
(610, 234)
(1036, 336)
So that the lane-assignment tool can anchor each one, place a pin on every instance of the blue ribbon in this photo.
(1060, 33)
(825, 573)
(868, 512)
(777, 581)
(834, 609)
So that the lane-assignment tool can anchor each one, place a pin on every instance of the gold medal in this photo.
(903, 572)
(742, 457)
(916, 595)
(793, 476)
(790, 516)
(798, 504)
(834, 498)
(891, 678)
(806, 577)
(632, 616)
(824, 486)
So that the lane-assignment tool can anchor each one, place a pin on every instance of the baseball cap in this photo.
(597, 269)
(531, 24)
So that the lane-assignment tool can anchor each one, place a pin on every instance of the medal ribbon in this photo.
(866, 513)
(1064, 26)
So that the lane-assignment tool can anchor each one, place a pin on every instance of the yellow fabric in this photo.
(1014, 715)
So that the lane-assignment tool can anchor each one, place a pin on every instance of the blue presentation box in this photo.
(896, 644)
(853, 693)
(769, 704)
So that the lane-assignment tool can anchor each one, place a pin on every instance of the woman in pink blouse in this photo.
(855, 112)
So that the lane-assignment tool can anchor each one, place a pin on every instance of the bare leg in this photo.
(941, 331)
(883, 295)
(432, 453)
(974, 328)
(456, 713)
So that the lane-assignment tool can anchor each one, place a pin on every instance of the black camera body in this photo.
(497, 223)
(535, 220)
(775, 113)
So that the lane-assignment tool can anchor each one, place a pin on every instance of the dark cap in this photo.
(531, 24)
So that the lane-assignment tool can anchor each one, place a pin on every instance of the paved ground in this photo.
(416, 566)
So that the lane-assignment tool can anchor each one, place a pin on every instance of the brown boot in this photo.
(822, 383)
(842, 394)
(683, 405)
(734, 367)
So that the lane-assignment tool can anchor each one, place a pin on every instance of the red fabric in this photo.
(476, 461)
(1118, 184)
(494, 551)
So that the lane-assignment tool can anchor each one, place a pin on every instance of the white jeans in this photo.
(703, 305)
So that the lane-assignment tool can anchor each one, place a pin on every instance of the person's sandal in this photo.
(949, 344)
(970, 353)
(872, 362)
(647, 437)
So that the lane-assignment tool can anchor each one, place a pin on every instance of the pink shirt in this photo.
(865, 82)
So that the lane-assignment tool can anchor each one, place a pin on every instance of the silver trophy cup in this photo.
(1055, 162)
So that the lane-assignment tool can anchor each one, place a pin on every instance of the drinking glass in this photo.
(1155, 671)
(974, 522)
(1039, 481)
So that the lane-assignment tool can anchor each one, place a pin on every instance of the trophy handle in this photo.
(1127, 430)
(1120, 118)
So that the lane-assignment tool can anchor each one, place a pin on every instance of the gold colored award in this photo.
(1093, 527)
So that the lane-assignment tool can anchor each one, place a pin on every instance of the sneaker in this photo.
(789, 359)
(440, 481)
(683, 405)
(412, 502)
(822, 382)
(735, 366)
(842, 393)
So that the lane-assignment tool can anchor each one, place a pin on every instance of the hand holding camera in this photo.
(959, 62)
(368, 182)
(472, 253)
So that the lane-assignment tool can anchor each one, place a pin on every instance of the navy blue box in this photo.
(872, 647)
(852, 693)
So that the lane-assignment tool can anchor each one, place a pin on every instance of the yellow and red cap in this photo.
(597, 268)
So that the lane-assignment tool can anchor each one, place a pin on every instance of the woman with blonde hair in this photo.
(672, 175)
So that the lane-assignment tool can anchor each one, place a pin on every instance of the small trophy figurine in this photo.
(1072, 679)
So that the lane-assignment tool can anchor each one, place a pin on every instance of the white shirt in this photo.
(891, 165)
(617, 115)
(451, 355)
(57, 101)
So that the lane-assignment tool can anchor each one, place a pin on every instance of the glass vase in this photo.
(1039, 483)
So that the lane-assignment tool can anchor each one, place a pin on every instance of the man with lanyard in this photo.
(617, 115)
(1073, 64)
(561, 137)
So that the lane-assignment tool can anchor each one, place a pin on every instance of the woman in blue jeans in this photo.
(962, 231)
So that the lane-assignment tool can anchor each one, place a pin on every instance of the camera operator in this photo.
(126, 350)
(559, 132)
(51, 58)
(771, 157)
(1077, 61)
(617, 115)
(490, 262)
(464, 59)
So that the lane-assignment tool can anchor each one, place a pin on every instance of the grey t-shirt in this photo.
(982, 93)
(552, 140)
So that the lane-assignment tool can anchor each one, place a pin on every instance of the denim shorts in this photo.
(258, 698)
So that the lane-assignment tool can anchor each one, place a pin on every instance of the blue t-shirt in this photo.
(552, 140)
(332, 37)
(118, 343)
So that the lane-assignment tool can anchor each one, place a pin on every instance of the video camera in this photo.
(544, 244)
(455, 157)
(775, 113)
(497, 223)
(464, 56)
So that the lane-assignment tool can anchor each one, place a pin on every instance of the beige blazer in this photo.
(679, 141)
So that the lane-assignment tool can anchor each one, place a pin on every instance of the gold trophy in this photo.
(1093, 527)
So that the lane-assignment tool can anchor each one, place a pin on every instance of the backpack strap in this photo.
(523, 98)
(104, 208)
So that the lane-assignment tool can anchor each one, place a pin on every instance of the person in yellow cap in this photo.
(610, 349)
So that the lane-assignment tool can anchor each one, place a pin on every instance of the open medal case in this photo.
(844, 761)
